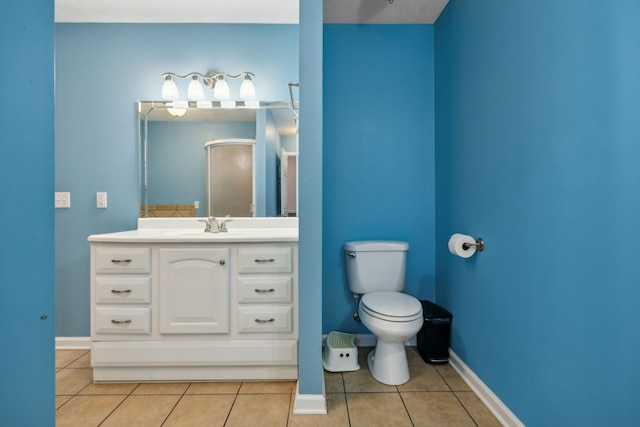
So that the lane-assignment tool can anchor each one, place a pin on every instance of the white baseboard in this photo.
(310, 404)
(491, 401)
(73, 343)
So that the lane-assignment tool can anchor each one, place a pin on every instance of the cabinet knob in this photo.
(222, 262)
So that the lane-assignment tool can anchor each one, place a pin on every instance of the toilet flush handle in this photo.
(351, 254)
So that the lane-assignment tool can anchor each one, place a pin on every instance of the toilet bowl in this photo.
(393, 317)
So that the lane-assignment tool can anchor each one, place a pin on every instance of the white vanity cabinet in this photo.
(189, 311)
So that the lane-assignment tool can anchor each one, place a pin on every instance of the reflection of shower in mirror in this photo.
(231, 177)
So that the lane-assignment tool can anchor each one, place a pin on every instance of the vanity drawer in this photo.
(116, 320)
(119, 260)
(269, 289)
(121, 290)
(265, 319)
(265, 260)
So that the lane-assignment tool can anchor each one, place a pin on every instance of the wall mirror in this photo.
(179, 163)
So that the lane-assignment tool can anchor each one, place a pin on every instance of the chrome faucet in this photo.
(213, 226)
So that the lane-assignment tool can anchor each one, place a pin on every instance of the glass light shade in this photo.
(221, 89)
(177, 108)
(177, 112)
(169, 89)
(195, 91)
(247, 89)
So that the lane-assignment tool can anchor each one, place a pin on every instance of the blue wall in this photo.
(537, 148)
(378, 155)
(27, 387)
(102, 70)
(310, 200)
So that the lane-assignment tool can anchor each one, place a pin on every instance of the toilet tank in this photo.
(376, 265)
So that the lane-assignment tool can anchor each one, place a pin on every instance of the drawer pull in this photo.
(123, 291)
(265, 321)
(264, 261)
(121, 322)
(121, 261)
(264, 291)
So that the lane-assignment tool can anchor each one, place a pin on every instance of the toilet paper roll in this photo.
(456, 243)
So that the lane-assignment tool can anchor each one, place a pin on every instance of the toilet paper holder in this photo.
(479, 244)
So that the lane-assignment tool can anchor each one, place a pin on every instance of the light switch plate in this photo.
(101, 200)
(62, 200)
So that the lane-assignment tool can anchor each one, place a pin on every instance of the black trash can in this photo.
(435, 335)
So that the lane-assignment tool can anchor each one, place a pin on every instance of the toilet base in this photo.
(388, 363)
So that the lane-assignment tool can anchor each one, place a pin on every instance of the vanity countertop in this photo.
(191, 230)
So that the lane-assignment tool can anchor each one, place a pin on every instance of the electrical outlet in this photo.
(101, 200)
(62, 200)
(196, 204)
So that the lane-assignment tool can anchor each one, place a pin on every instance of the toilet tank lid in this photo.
(376, 245)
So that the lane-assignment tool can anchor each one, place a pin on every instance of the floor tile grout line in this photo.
(67, 365)
(289, 409)
(175, 405)
(76, 394)
(405, 408)
(456, 396)
(346, 403)
(465, 408)
(235, 398)
(119, 404)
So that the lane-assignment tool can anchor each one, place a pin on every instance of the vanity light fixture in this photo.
(214, 80)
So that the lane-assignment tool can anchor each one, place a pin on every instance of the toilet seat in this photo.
(391, 306)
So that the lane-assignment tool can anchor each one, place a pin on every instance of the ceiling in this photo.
(246, 11)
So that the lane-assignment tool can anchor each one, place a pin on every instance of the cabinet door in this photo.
(193, 291)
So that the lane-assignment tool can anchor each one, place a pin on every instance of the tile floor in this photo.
(435, 396)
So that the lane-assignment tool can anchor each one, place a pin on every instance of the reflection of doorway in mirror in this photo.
(231, 177)
(288, 179)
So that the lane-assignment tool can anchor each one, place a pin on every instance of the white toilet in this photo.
(376, 270)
